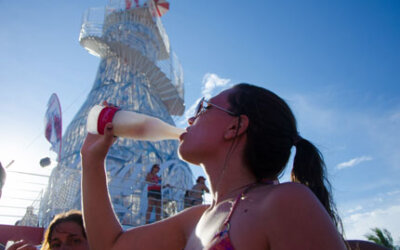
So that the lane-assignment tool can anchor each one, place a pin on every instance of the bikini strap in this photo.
(235, 203)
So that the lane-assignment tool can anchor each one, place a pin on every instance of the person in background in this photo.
(29, 219)
(242, 138)
(195, 195)
(65, 231)
(153, 193)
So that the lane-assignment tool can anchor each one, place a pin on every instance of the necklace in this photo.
(247, 188)
(252, 185)
(226, 225)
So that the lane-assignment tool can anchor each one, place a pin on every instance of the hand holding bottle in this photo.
(95, 147)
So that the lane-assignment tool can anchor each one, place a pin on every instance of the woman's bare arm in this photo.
(205, 188)
(148, 177)
(171, 233)
(102, 226)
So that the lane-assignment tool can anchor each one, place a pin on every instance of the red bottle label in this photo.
(106, 115)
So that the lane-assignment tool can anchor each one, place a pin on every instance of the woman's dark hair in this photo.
(271, 133)
(200, 178)
(154, 166)
(70, 216)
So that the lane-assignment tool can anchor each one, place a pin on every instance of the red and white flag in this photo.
(53, 124)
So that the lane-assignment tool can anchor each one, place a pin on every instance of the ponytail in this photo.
(309, 169)
(270, 135)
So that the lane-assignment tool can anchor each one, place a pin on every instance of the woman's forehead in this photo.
(68, 227)
(222, 97)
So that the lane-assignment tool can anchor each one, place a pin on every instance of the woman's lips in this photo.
(182, 135)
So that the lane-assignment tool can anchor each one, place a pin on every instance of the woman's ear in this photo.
(237, 127)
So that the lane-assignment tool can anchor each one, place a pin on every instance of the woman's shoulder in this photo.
(189, 217)
(289, 197)
(290, 190)
(196, 209)
(293, 214)
(290, 186)
(194, 212)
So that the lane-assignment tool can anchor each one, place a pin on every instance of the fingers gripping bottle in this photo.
(129, 124)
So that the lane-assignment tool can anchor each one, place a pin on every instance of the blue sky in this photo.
(335, 62)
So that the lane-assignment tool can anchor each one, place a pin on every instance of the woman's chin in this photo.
(186, 156)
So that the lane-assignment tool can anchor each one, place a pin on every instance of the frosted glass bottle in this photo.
(129, 124)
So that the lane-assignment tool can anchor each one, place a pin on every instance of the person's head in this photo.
(29, 210)
(267, 122)
(2, 178)
(200, 179)
(155, 169)
(66, 230)
(266, 126)
(207, 138)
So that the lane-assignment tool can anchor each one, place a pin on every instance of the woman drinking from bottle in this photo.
(242, 138)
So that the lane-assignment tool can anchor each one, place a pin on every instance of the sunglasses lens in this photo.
(199, 107)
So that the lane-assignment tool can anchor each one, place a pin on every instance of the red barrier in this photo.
(31, 234)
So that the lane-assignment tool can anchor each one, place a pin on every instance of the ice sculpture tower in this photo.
(138, 71)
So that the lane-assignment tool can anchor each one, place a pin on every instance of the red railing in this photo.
(33, 235)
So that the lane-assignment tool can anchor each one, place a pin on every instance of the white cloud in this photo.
(211, 85)
(353, 162)
(353, 210)
(358, 224)
(211, 82)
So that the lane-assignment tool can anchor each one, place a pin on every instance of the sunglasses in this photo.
(201, 108)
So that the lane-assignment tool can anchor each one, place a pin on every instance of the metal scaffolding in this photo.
(138, 71)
